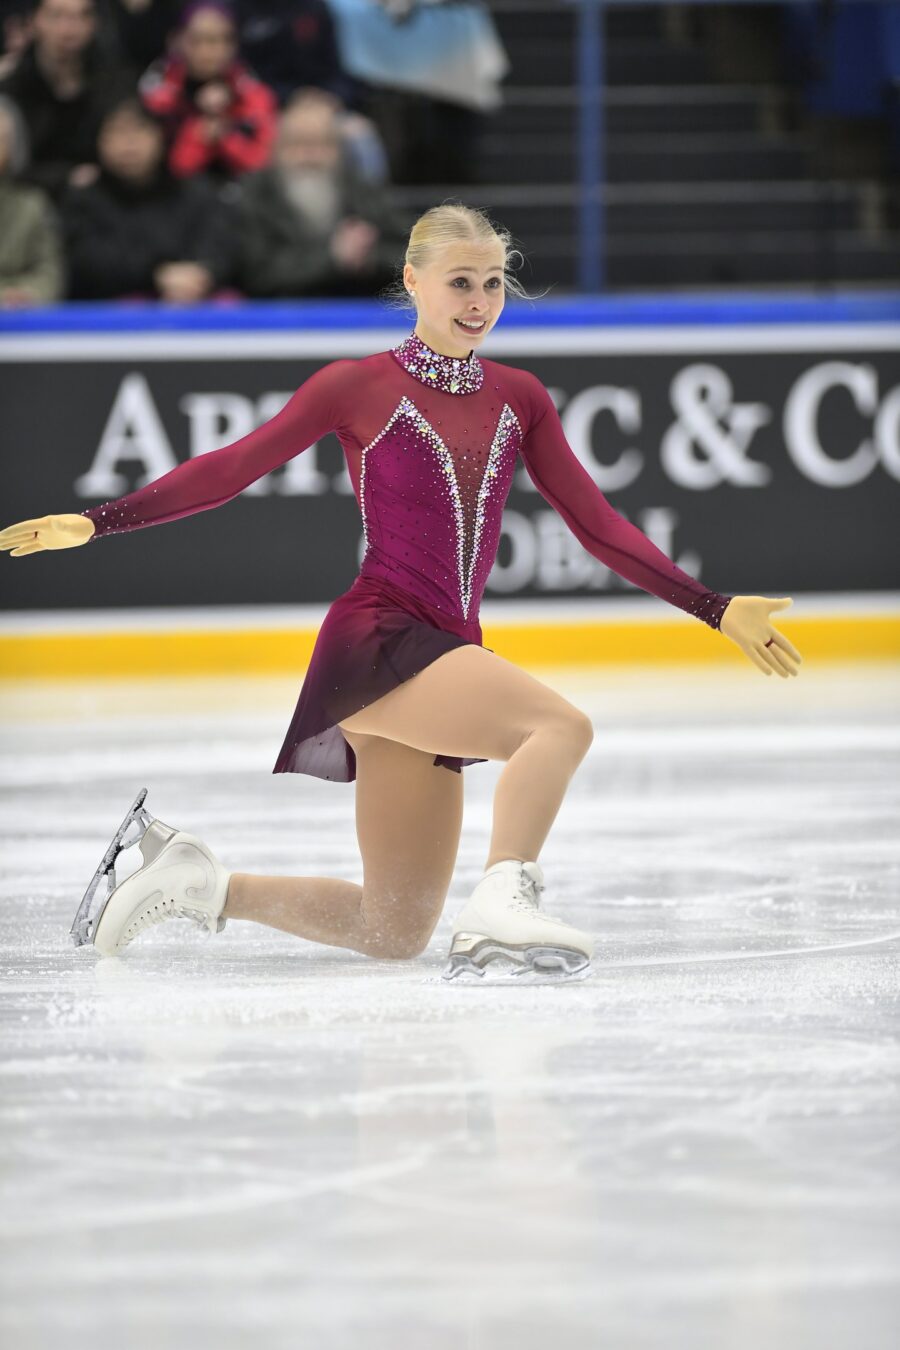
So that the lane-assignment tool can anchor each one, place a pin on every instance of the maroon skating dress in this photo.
(431, 444)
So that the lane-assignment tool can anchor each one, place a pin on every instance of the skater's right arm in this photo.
(317, 407)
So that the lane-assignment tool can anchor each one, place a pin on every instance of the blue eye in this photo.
(493, 281)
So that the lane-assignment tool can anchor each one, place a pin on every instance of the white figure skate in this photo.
(179, 878)
(501, 921)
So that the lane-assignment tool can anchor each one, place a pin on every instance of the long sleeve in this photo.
(562, 480)
(246, 143)
(317, 407)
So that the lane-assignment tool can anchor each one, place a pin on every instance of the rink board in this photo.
(754, 440)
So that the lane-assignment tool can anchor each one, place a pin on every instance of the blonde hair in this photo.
(453, 223)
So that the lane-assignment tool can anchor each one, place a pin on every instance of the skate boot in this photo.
(502, 922)
(179, 878)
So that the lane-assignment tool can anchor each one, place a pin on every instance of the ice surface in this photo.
(249, 1140)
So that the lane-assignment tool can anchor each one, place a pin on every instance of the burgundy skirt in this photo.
(374, 636)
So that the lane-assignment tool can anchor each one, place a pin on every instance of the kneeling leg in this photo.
(408, 818)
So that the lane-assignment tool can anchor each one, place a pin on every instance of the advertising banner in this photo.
(762, 460)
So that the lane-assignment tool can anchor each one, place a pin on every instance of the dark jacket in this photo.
(63, 132)
(140, 34)
(281, 256)
(292, 44)
(118, 234)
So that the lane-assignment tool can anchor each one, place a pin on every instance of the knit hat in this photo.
(220, 6)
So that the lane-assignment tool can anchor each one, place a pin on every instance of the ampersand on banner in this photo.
(708, 443)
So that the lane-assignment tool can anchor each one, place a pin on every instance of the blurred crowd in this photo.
(155, 150)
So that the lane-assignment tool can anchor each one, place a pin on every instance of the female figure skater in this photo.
(400, 693)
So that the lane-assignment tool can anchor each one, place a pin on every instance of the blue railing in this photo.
(877, 76)
(299, 316)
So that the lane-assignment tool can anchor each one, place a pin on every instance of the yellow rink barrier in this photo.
(79, 648)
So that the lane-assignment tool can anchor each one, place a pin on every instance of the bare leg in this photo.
(472, 703)
(408, 819)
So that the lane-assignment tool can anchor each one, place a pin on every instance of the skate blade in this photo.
(91, 910)
(493, 965)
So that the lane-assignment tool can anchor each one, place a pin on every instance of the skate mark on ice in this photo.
(255, 1197)
(743, 956)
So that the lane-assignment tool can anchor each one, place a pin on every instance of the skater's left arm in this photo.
(563, 481)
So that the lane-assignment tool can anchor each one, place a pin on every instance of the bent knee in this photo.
(568, 724)
(582, 729)
(400, 932)
(398, 948)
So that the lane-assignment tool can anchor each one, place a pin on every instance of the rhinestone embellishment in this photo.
(506, 427)
(506, 438)
(451, 374)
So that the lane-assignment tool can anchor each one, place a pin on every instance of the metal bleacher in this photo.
(715, 173)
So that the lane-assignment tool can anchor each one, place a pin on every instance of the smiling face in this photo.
(463, 282)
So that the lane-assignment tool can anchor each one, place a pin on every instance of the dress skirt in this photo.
(374, 636)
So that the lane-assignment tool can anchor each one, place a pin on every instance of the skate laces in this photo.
(529, 898)
(159, 911)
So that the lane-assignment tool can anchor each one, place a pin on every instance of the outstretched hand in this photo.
(746, 621)
(30, 536)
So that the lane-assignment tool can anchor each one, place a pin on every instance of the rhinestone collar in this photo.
(453, 375)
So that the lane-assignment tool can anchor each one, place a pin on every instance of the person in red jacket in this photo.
(221, 120)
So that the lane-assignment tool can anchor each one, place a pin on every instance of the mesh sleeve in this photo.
(214, 478)
(562, 480)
